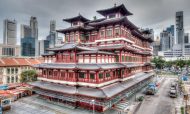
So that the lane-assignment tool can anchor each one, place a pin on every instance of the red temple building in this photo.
(102, 60)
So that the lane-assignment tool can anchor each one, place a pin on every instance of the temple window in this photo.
(44, 72)
(72, 57)
(76, 37)
(117, 32)
(50, 73)
(100, 75)
(55, 73)
(75, 23)
(72, 38)
(108, 74)
(81, 75)
(92, 76)
(67, 38)
(117, 58)
(70, 75)
(93, 59)
(102, 33)
(122, 71)
(112, 15)
(62, 74)
(123, 58)
(109, 32)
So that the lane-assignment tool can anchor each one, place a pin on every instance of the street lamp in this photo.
(93, 101)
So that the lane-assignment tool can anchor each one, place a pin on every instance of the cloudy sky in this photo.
(156, 14)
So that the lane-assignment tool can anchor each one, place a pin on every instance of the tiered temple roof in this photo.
(71, 46)
(87, 66)
(103, 92)
(77, 18)
(121, 8)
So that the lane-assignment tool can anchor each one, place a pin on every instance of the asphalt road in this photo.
(160, 103)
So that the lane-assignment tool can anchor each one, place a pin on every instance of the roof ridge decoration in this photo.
(121, 8)
(76, 18)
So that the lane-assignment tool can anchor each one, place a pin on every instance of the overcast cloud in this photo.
(156, 14)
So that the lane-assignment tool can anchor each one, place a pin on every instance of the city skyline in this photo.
(57, 10)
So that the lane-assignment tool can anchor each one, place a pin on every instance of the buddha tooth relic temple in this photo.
(102, 62)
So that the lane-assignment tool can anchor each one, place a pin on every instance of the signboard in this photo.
(3, 87)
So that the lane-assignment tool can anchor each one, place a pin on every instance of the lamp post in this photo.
(93, 101)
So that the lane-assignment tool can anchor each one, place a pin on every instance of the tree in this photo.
(28, 76)
(159, 62)
(168, 64)
(180, 63)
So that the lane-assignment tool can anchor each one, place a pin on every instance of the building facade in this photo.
(166, 41)
(28, 47)
(11, 68)
(10, 32)
(156, 46)
(9, 50)
(186, 38)
(179, 27)
(43, 46)
(52, 26)
(52, 37)
(34, 31)
(25, 31)
(103, 61)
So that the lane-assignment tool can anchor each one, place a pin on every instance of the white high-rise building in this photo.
(10, 32)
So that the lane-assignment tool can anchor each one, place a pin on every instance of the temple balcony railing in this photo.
(128, 37)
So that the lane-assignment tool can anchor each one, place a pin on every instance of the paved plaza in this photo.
(34, 105)
(161, 103)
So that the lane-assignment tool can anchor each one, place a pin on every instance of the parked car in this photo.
(151, 89)
(173, 93)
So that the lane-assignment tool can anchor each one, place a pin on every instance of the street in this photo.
(160, 103)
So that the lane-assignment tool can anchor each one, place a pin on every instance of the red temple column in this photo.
(97, 77)
(96, 59)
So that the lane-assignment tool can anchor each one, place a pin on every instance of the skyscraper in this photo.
(186, 38)
(34, 32)
(28, 46)
(43, 45)
(52, 26)
(25, 31)
(52, 37)
(34, 27)
(166, 40)
(171, 30)
(179, 27)
(10, 32)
